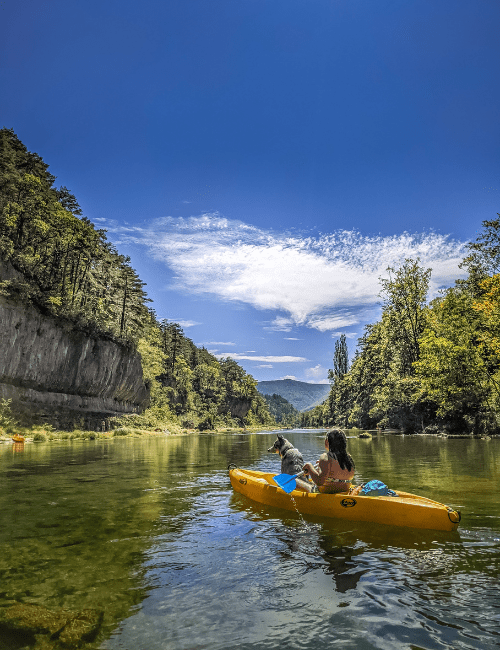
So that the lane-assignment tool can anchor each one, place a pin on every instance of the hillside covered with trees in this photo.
(425, 366)
(302, 395)
(68, 269)
(282, 411)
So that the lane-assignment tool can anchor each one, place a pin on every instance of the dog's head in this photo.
(280, 445)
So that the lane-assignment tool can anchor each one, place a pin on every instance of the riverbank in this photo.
(48, 434)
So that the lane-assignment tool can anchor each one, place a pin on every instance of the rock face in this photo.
(51, 370)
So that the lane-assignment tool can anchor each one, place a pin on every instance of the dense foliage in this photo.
(283, 412)
(68, 269)
(301, 394)
(191, 386)
(426, 366)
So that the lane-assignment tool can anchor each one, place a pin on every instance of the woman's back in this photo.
(332, 477)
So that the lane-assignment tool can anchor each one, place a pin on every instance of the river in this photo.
(149, 532)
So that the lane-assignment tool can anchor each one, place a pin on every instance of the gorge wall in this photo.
(58, 374)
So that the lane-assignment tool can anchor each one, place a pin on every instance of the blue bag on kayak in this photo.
(376, 489)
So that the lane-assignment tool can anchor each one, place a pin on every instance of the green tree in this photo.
(453, 372)
(68, 266)
(336, 406)
(405, 295)
(281, 410)
(483, 259)
(380, 386)
(340, 360)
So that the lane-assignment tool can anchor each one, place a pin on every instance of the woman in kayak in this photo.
(334, 470)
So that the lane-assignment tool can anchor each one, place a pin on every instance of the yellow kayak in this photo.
(405, 509)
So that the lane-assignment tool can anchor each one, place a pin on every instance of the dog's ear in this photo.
(280, 437)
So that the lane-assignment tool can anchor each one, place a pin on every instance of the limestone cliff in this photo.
(55, 372)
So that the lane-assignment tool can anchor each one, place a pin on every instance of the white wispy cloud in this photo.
(328, 282)
(326, 323)
(348, 335)
(185, 323)
(318, 373)
(281, 324)
(268, 359)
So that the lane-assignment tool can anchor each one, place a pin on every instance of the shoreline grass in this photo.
(49, 434)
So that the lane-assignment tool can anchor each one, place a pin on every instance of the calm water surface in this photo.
(150, 532)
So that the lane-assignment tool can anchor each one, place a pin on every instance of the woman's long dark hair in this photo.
(337, 449)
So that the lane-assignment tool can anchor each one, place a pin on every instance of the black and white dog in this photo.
(291, 458)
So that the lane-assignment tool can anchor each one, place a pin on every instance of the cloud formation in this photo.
(184, 323)
(328, 282)
(268, 359)
(318, 374)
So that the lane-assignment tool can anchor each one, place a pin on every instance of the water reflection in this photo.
(150, 532)
(341, 564)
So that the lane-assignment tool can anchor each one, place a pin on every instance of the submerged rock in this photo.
(39, 627)
(82, 628)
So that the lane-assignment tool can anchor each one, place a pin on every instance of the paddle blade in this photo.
(286, 482)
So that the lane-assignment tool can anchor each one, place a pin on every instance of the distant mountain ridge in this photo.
(302, 395)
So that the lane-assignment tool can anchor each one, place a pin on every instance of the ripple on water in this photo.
(184, 563)
(235, 579)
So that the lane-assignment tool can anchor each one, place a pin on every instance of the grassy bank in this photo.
(49, 434)
(153, 422)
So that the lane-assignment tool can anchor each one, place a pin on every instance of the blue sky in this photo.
(263, 161)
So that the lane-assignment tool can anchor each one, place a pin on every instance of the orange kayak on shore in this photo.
(404, 509)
